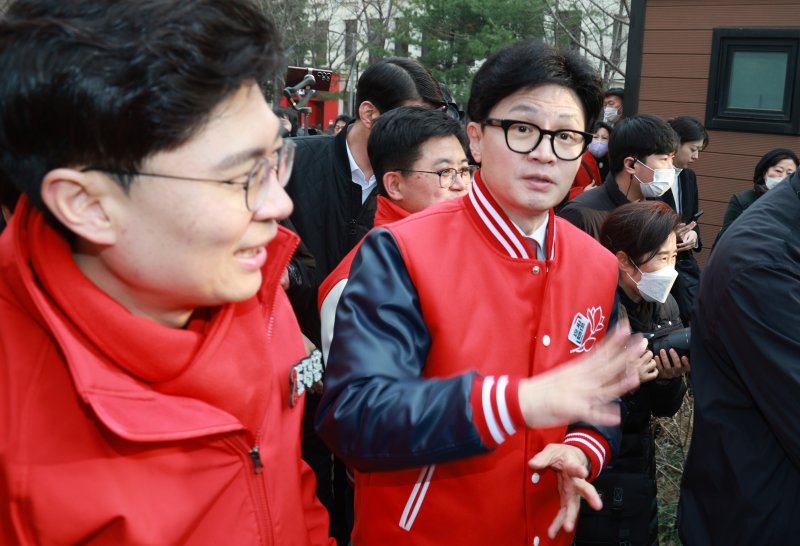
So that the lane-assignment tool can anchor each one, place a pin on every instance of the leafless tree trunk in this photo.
(600, 33)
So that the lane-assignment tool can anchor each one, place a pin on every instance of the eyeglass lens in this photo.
(277, 167)
(447, 177)
(524, 137)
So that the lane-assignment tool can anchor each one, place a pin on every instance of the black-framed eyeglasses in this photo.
(278, 166)
(449, 176)
(523, 137)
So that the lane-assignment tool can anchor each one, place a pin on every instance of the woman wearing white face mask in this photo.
(684, 198)
(642, 236)
(770, 170)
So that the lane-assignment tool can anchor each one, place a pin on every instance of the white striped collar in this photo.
(501, 228)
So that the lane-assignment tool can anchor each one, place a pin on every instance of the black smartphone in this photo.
(697, 215)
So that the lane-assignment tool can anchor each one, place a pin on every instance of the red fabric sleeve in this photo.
(593, 445)
(582, 178)
(496, 412)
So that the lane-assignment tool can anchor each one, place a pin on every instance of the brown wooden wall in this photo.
(676, 55)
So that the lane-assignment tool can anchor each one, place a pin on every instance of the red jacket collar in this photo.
(387, 212)
(127, 405)
(500, 229)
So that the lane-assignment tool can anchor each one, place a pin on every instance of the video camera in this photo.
(301, 86)
(677, 339)
(297, 78)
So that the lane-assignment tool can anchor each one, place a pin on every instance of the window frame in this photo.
(728, 41)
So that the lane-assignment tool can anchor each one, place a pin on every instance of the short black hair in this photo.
(602, 125)
(615, 92)
(529, 64)
(289, 114)
(398, 136)
(111, 83)
(638, 229)
(640, 136)
(343, 117)
(689, 129)
(390, 82)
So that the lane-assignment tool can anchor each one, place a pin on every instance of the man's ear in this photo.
(475, 134)
(393, 183)
(81, 202)
(629, 164)
(368, 113)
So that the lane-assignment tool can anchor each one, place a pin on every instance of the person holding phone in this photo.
(683, 197)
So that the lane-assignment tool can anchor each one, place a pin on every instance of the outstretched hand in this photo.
(569, 463)
(585, 389)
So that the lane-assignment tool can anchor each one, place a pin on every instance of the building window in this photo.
(754, 80)
(568, 28)
(319, 52)
(376, 40)
(402, 30)
(350, 30)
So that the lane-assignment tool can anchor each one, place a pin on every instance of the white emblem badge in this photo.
(305, 375)
(578, 329)
(585, 329)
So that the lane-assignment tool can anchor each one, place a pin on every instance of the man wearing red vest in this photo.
(151, 369)
(418, 155)
(468, 380)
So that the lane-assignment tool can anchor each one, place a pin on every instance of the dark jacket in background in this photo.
(330, 219)
(742, 475)
(588, 211)
(685, 288)
(736, 206)
(328, 213)
(302, 289)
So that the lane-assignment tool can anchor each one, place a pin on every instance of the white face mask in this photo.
(772, 182)
(610, 114)
(662, 181)
(655, 286)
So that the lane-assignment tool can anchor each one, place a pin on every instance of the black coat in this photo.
(328, 214)
(685, 288)
(588, 211)
(742, 475)
(630, 511)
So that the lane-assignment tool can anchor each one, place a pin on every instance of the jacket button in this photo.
(535, 541)
(535, 478)
(546, 341)
(535, 269)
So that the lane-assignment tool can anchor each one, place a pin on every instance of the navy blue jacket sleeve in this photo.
(378, 412)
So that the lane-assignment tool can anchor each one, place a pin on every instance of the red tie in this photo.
(533, 247)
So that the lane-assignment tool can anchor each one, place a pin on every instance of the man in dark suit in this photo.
(742, 474)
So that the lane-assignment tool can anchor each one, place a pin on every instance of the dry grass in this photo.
(673, 435)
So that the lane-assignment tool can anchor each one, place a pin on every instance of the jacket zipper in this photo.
(259, 486)
(255, 455)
